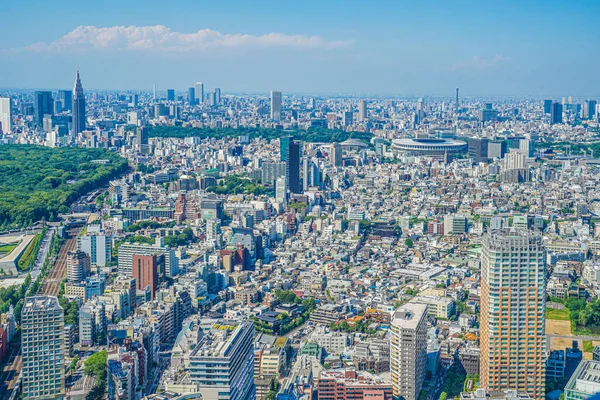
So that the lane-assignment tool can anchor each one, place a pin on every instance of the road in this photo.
(572, 337)
(43, 253)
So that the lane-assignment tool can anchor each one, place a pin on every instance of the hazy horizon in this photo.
(381, 48)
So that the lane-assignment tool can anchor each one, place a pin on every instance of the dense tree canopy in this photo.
(312, 135)
(40, 182)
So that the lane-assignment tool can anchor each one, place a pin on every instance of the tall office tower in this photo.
(281, 189)
(347, 118)
(457, 106)
(154, 91)
(44, 105)
(42, 348)
(97, 246)
(5, 115)
(192, 96)
(556, 113)
(408, 350)
(589, 109)
(170, 94)
(145, 271)
(78, 107)
(66, 99)
(335, 154)
(478, 149)
(229, 349)
(420, 112)
(513, 311)
(199, 92)
(217, 96)
(78, 266)
(362, 110)
(289, 151)
(547, 106)
(141, 136)
(305, 173)
(275, 105)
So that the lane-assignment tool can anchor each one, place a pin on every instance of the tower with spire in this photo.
(78, 106)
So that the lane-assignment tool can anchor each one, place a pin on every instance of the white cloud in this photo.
(162, 38)
(478, 62)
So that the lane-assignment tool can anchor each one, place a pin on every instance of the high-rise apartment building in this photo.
(42, 348)
(408, 350)
(145, 271)
(5, 115)
(222, 363)
(98, 247)
(79, 119)
(199, 92)
(513, 306)
(126, 252)
(92, 322)
(276, 106)
(78, 266)
(290, 153)
(44, 105)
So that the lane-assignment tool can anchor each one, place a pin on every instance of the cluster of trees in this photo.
(455, 381)
(360, 326)
(183, 239)
(39, 182)
(30, 254)
(95, 366)
(236, 184)
(71, 308)
(584, 316)
(149, 224)
(313, 135)
(288, 323)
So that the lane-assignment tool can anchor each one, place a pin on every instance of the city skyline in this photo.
(381, 48)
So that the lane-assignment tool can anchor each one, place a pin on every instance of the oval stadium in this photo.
(428, 147)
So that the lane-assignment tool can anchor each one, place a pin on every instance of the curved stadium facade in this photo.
(428, 147)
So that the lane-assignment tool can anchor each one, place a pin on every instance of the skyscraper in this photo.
(5, 115)
(547, 106)
(513, 307)
(78, 107)
(589, 109)
(66, 99)
(199, 92)
(192, 96)
(335, 154)
(362, 110)
(408, 350)
(42, 347)
(478, 149)
(289, 151)
(170, 94)
(44, 105)
(217, 96)
(275, 105)
(556, 112)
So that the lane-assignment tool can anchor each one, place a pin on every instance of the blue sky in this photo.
(533, 47)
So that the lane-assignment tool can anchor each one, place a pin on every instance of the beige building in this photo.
(408, 350)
